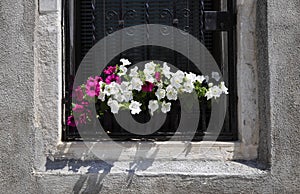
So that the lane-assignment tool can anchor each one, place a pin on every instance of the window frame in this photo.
(72, 56)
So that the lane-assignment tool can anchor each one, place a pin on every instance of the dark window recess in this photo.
(211, 21)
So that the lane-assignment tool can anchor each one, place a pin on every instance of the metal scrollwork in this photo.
(113, 15)
(202, 21)
(93, 4)
(110, 14)
(165, 13)
(130, 14)
(172, 17)
(186, 12)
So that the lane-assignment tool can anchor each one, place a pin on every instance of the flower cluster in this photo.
(153, 88)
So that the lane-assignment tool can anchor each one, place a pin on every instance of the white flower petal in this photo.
(160, 93)
(165, 107)
(135, 107)
(223, 88)
(200, 78)
(216, 76)
(153, 106)
(114, 106)
(136, 83)
(125, 62)
(123, 70)
(134, 72)
(171, 93)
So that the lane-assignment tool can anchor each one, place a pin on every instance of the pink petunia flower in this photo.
(71, 121)
(113, 78)
(79, 94)
(92, 87)
(78, 108)
(148, 87)
(81, 119)
(110, 70)
(98, 78)
(157, 76)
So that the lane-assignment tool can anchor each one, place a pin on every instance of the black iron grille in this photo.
(94, 19)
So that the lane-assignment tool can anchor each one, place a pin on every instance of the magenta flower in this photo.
(78, 108)
(79, 94)
(110, 70)
(84, 103)
(157, 76)
(113, 78)
(93, 87)
(71, 121)
(98, 78)
(82, 119)
(148, 87)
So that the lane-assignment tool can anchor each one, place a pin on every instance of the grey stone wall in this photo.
(27, 139)
(17, 26)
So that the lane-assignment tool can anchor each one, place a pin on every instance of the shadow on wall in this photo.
(94, 171)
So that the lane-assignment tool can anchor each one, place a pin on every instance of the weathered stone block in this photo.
(48, 6)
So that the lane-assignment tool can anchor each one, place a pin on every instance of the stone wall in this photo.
(31, 62)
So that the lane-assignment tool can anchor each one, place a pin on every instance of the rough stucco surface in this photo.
(284, 58)
(17, 23)
(26, 140)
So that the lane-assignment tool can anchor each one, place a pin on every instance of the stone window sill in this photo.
(223, 151)
(202, 168)
(202, 159)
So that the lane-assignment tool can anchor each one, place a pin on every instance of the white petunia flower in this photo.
(166, 71)
(177, 79)
(135, 107)
(134, 72)
(165, 107)
(153, 106)
(125, 86)
(125, 62)
(210, 84)
(188, 87)
(127, 96)
(216, 76)
(213, 92)
(123, 69)
(206, 78)
(101, 96)
(150, 68)
(136, 83)
(159, 85)
(114, 106)
(190, 77)
(119, 97)
(111, 89)
(223, 88)
(160, 93)
(171, 93)
(200, 78)
(149, 78)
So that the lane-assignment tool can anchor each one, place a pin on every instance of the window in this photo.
(211, 21)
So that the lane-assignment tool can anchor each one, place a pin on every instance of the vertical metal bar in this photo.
(70, 28)
(203, 104)
(174, 120)
(66, 43)
(232, 71)
(115, 128)
(175, 19)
